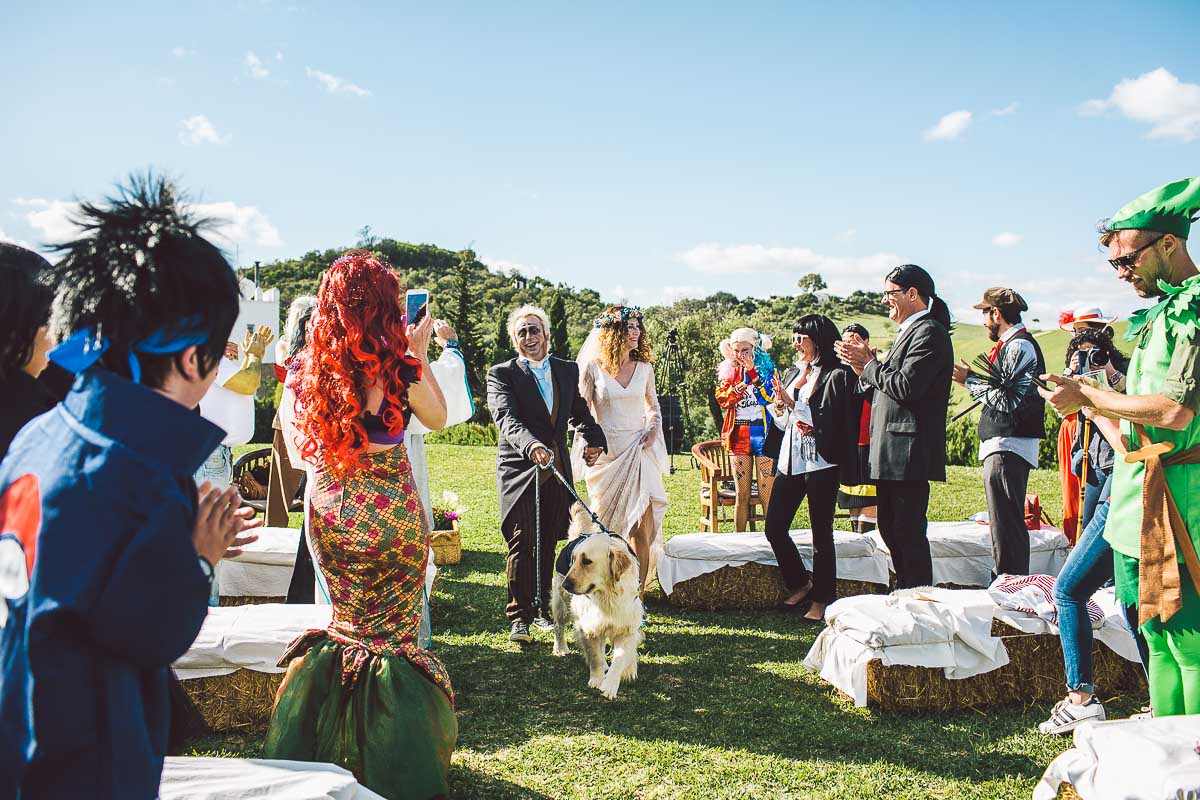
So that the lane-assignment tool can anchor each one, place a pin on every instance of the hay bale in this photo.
(1034, 674)
(748, 586)
(238, 701)
(246, 600)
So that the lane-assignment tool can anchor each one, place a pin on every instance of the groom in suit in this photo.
(533, 399)
(908, 416)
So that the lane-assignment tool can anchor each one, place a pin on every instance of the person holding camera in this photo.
(1011, 425)
(1091, 353)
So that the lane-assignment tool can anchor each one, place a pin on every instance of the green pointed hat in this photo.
(1168, 209)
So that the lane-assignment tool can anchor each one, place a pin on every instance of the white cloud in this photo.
(672, 293)
(4, 237)
(776, 269)
(1007, 239)
(242, 225)
(255, 66)
(505, 265)
(279, 55)
(182, 52)
(949, 126)
(847, 235)
(51, 218)
(198, 129)
(1011, 108)
(334, 84)
(1158, 98)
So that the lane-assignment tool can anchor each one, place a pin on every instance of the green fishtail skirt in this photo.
(391, 726)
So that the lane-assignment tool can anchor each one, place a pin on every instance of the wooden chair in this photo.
(718, 489)
(252, 475)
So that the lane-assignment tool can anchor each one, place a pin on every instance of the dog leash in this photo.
(537, 524)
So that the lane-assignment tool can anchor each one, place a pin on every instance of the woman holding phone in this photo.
(817, 410)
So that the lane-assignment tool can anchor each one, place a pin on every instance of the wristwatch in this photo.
(207, 569)
(452, 343)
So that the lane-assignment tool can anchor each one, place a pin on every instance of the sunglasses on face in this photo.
(1129, 260)
(528, 330)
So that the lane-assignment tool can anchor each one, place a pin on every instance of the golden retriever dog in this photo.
(596, 589)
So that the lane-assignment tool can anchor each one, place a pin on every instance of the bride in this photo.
(625, 486)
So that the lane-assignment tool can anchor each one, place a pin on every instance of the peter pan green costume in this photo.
(1154, 519)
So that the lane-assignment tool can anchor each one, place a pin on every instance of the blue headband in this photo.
(85, 347)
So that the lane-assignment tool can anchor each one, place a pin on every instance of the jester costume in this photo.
(1154, 520)
(748, 432)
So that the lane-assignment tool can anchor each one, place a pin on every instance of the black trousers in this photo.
(1005, 479)
(303, 588)
(520, 534)
(904, 526)
(821, 488)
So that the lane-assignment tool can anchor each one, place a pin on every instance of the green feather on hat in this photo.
(1168, 209)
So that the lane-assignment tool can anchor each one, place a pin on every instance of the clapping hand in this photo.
(855, 352)
(782, 400)
(221, 524)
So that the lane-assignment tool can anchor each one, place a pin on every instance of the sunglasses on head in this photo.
(1128, 260)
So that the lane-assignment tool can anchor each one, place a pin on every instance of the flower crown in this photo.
(617, 318)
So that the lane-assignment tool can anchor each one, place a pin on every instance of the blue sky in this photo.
(649, 153)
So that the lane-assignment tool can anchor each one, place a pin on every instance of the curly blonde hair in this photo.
(614, 341)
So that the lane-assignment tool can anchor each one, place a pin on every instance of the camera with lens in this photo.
(1091, 359)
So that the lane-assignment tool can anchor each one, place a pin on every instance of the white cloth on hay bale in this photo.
(962, 552)
(1148, 759)
(250, 637)
(264, 569)
(691, 555)
(192, 778)
(948, 629)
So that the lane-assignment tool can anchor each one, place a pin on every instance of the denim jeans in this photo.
(217, 469)
(1089, 567)
(1093, 495)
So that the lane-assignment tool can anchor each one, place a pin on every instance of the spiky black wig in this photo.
(24, 306)
(142, 267)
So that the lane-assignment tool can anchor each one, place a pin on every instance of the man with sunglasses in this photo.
(1010, 425)
(534, 398)
(1154, 516)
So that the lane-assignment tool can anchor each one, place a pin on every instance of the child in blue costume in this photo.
(106, 550)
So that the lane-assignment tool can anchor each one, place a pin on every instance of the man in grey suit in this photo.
(533, 399)
(908, 416)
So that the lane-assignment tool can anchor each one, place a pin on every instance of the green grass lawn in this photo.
(723, 707)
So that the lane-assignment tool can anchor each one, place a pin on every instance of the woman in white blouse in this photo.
(817, 410)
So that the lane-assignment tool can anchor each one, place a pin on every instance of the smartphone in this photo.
(1039, 382)
(416, 305)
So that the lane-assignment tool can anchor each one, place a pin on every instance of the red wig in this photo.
(356, 340)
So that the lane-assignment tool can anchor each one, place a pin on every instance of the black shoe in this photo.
(543, 624)
(519, 632)
(799, 606)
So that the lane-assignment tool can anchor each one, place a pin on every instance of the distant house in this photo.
(823, 296)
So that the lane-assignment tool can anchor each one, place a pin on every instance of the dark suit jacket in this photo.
(836, 408)
(908, 412)
(521, 419)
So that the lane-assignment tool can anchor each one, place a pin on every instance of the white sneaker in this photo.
(1146, 713)
(1068, 716)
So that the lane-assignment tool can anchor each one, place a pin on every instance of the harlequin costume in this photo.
(749, 432)
(1154, 519)
(103, 587)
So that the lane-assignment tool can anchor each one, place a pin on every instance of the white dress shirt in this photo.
(798, 452)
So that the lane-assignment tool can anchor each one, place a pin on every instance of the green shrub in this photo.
(468, 433)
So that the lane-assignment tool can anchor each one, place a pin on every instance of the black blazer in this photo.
(908, 411)
(521, 419)
(836, 408)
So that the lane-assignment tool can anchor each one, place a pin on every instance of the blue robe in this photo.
(97, 500)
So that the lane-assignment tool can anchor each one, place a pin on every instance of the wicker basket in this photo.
(447, 545)
(247, 600)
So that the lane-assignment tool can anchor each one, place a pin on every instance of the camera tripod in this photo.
(672, 403)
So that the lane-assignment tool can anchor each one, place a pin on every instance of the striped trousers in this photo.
(520, 534)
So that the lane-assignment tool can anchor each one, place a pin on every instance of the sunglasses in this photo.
(528, 330)
(890, 292)
(1130, 259)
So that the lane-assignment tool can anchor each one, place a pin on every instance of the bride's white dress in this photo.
(627, 479)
